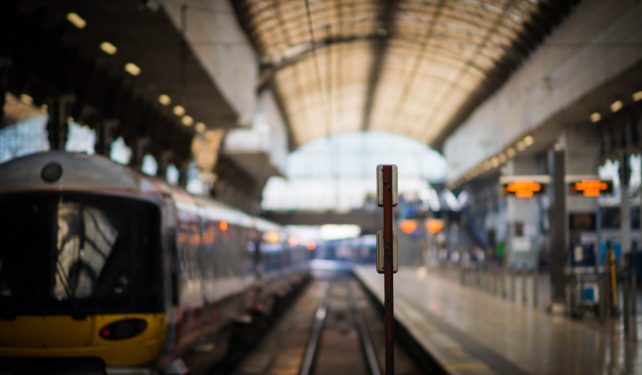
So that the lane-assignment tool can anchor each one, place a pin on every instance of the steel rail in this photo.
(315, 335)
(364, 336)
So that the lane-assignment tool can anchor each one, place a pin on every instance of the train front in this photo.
(80, 269)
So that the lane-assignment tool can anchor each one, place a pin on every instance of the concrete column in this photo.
(575, 153)
(163, 163)
(625, 206)
(522, 217)
(104, 137)
(138, 151)
(559, 225)
(59, 108)
(183, 169)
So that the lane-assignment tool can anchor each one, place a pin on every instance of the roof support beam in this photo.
(380, 46)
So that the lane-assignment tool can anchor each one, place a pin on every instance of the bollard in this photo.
(535, 287)
(603, 296)
(612, 273)
(634, 314)
(512, 284)
(524, 297)
(626, 299)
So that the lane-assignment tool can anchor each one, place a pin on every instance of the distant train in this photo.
(104, 270)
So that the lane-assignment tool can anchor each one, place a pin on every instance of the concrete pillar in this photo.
(559, 225)
(59, 108)
(625, 206)
(163, 163)
(522, 217)
(575, 153)
(138, 151)
(183, 171)
(104, 136)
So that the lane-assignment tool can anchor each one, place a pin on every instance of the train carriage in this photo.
(103, 269)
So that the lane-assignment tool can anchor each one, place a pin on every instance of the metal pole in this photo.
(625, 307)
(512, 284)
(524, 276)
(387, 237)
(634, 313)
(535, 288)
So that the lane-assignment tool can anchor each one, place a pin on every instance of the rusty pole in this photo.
(388, 295)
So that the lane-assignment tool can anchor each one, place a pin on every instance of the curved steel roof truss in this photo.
(413, 67)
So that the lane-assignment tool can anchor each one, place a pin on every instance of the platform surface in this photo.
(471, 332)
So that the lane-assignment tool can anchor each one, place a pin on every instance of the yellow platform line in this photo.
(466, 366)
(459, 353)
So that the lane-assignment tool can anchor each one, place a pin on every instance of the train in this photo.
(104, 270)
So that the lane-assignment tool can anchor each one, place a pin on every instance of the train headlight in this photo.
(123, 329)
(51, 172)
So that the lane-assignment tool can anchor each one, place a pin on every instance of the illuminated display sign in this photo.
(591, 188)
(523, 189)
(434, 226)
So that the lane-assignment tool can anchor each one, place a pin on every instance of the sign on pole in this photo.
(386, 253)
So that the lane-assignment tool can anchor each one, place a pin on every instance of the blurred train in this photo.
(104, 270)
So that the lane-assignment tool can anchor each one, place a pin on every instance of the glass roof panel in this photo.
(407, 66)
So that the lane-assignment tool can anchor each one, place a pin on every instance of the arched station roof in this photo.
(411, 67)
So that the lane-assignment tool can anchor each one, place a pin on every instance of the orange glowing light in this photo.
(408, 226)
(293, 241)
(223, 225)
(589, 188)
(311, 246)
(522, 189)
(434, 226)
(272, 237)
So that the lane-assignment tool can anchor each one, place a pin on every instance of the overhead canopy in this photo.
(416, 68)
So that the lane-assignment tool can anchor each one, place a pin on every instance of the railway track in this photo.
(339, 321)
(333, 328)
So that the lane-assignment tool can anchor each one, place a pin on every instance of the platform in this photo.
(471, 332)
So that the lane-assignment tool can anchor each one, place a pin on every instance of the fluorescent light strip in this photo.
(616, 106)
(187, 120)
(108, 48)
(164, 100)
(179, 110)
(76, 20)
(132, 69)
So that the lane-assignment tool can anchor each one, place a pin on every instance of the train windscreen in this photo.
(78, 253)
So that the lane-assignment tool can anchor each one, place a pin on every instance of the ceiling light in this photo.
(108, 48)
(502, 158)
(616, 106)
(528, 140)
(164, 100)
(132, 69)
(520, 146)
(494, 162)
(187, 120)
(179, 110)
(200, 127)
(27, 99)
(510, 152)
(595, 117)
(637, 96)
(76, 20)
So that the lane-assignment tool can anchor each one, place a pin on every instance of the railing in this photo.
(532, 288)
